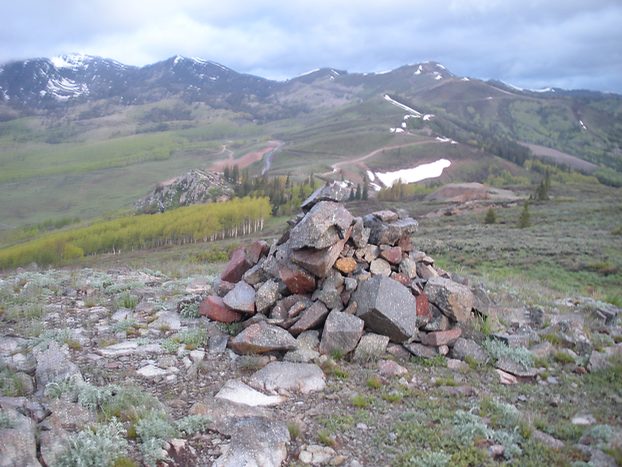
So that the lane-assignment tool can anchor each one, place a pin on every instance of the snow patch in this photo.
(306, 73)
(401, 106)
(222, 67)
(371, 176)
(442, 139)
(438, 65)
(63, 89)
(438, 76)
(415, 174)
(375, 186)
(396, 130)
(419, 70)
(427, 117)
(178, 58)
(582, 124)
(72, 61)
(465, 79)
(382, 72)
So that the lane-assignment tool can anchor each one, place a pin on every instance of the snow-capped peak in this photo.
(75, 60)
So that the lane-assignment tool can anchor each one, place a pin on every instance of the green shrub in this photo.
(95, 447)
(498, 349)
(491, 217)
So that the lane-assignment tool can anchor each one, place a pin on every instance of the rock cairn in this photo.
(359, 281)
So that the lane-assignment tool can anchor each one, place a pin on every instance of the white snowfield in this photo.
(415, 174)
(401, 106)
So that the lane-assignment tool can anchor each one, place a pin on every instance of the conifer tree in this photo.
(524, 220)
(358, 192)
(491, 216)
(365, 191)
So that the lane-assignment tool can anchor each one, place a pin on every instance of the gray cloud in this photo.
(566, 43)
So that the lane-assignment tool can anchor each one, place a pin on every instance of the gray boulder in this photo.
(388, 233)
(468, 347)
(335, 191)
(289, 377)
(387, 307)
(342, 332)
(454, 300)
(17, 440)
(323, 226)
(241, 298)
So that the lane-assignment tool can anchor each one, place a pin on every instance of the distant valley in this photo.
(84, 136)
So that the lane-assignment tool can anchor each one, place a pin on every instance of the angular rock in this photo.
(468, 347)
(388, 233)
(392, 254)
(317, 261)
(129, 347)
(346, 265)
(297, 280)
(289, 377)
(255, 275)
(360, 234)
(386, 215)
(256, 441)
(215, 309)
(380, 267)
(439, 338)
(53, 365)
(323, 226)
(15, 355)
(308, 343)
(335, 191)
(261, 338)
(255, 251)
(241, 298)
(266, 295)
(151, 371)
(18, 445)
(516, 369)
(283, 308)
(438, 321)
(236, 267)
(341, 333)
(506, 378)
(329, 295)
(426, 271)
(236, 391)
(408, 267)
(315, 454)
(420, 350)
(454, 300)
(391, 369)
(310, 318)
(168, 320)
(387, 307)
(370, 347)
(425, 312)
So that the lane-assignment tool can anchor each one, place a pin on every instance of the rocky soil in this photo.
(340, 344)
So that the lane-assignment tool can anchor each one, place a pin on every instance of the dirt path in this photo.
(357, 160)
(247, 159)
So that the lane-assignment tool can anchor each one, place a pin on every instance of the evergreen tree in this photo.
(365, 191)
(358, 194)
(491, 216)
(524, 219)
(227, 173)
(235, 174)
(351, 197)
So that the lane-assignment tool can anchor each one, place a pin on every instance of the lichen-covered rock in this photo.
(319, 262)
(453, 299)
(266, 295)
(342, 332)
(17, 440)
(296, 279)
(335, 191)
(289, 377)
(387, 307)
(323, 226)
(310, 318)
(388, 232)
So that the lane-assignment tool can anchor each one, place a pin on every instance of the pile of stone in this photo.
(353, 284)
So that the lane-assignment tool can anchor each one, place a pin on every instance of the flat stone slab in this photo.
(263, 337)
(288, 377)
(151, 371)
(235, 390)
(129, 348)
(341, 333)
(241, 298)
(256, 441)
(166, 320)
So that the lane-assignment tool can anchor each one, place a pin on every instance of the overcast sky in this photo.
(528, 43)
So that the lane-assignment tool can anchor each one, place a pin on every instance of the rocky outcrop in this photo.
(196, 186)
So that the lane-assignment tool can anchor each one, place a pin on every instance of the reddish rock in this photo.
(214, 308)
(236, 267)
(297, 280)
(310, 318)
(391, 369)
(406, 244)
(345, 265)
(424, 314)
(454, 300)
(426, 271)
(224, 287)
(393, 254)
(261, 338)
(319, 262)
(256, 250)
(439, 338)
(401, 278)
